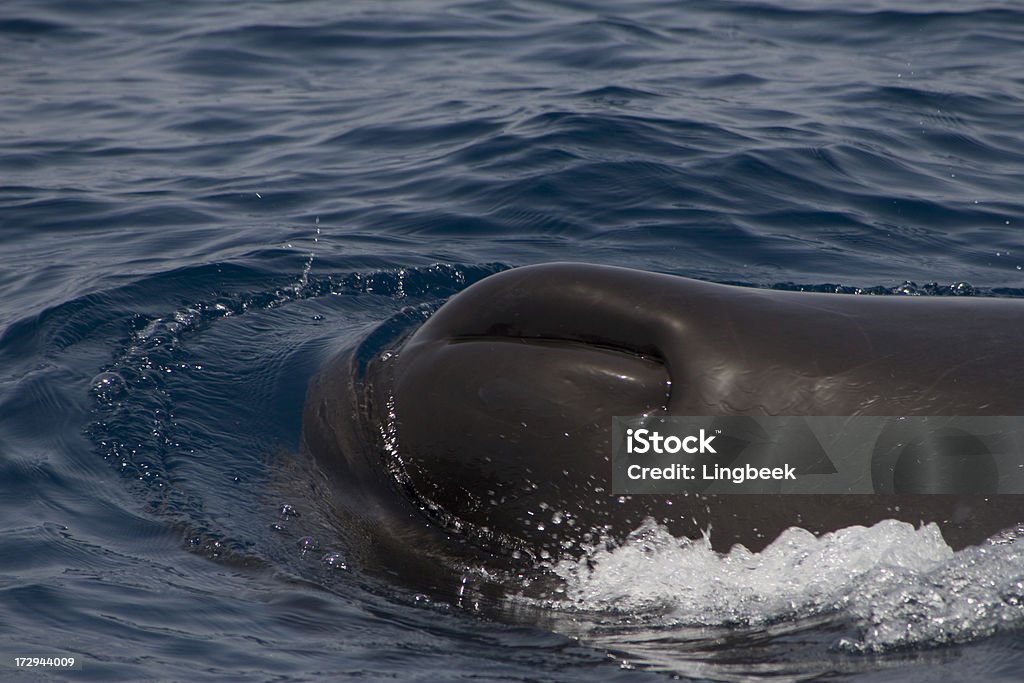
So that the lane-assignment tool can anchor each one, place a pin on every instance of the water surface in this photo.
(199, 203)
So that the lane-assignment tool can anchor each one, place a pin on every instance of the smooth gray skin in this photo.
(496, 413)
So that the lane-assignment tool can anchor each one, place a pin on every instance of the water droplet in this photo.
(308, 543)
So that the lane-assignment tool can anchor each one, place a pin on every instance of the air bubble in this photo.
(962, 289)
(108, 386)
(335, 561)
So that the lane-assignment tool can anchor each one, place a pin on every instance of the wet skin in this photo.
(496, 413)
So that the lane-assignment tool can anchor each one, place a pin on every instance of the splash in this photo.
(897, 586)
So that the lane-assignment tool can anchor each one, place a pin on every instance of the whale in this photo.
(490, 424)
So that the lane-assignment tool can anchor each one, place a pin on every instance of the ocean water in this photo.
(200, 202)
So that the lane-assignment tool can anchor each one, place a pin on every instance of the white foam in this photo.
(900, 585)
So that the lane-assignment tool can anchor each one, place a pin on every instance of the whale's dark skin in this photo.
(492, 421)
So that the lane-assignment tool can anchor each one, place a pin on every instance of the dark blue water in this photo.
(199, 202)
